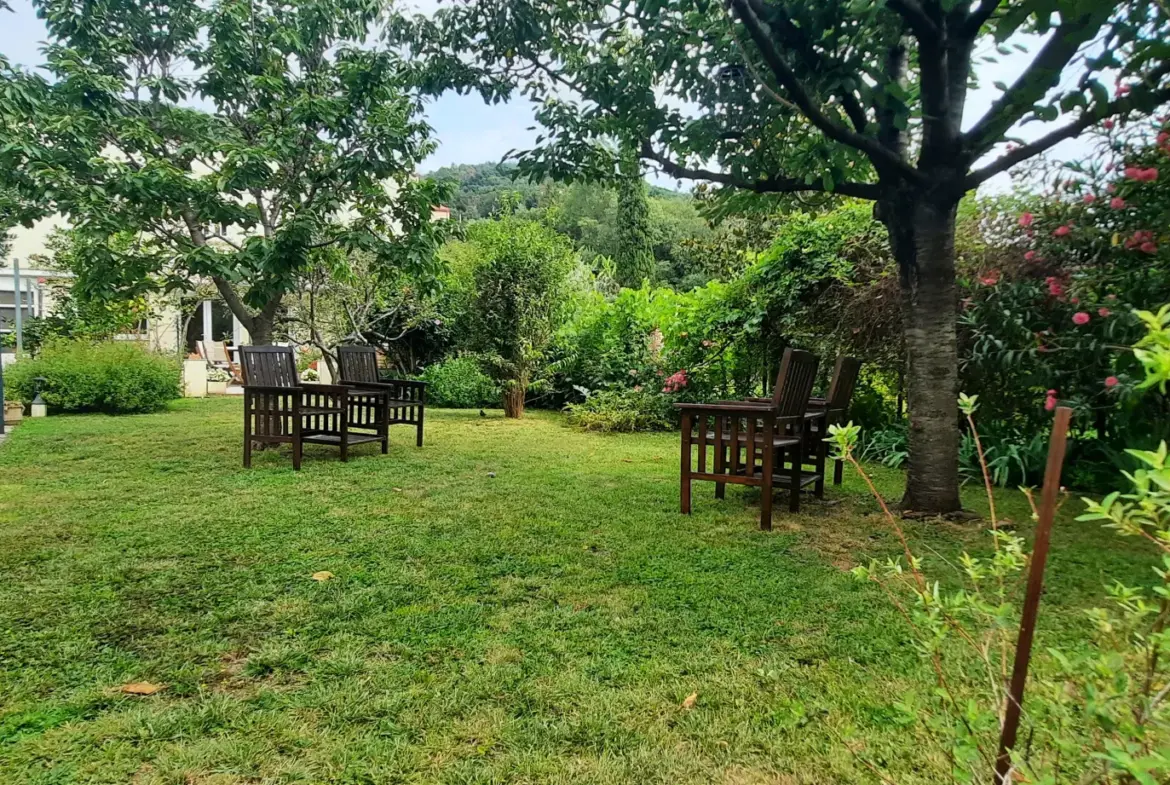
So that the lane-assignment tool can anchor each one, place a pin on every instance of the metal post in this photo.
(1047, 512)
(16, 292)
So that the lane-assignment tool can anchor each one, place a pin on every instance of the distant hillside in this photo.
(479, 186)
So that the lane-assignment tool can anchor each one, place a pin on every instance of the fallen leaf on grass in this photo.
(140, 688)
(324, 575)
(689, 702)
(627, 460)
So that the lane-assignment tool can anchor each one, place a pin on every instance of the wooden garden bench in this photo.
(405, 400)
(748, 442)
(281, 409)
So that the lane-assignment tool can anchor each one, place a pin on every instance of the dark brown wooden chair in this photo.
(835, 405)
(279, 408)
(749, 442)
(405, 400)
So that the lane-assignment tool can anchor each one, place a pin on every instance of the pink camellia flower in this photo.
(1133, 173)
(1163, 138)
(1112, 381)
(1062, 231)
(1026, 219)
(991, 279)
(1080, 317)
(1030, 256)
(1107, 123)
(1075, 301)
(1117, 203)
(1148, 247)
(1103, 312)
(1055, 287)
(1149, 175)
(1088, 198)
(1050, 400)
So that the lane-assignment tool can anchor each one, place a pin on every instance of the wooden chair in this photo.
(216, 355)
(279, 408)
(405, 399)
(748, 442)
(835, 405)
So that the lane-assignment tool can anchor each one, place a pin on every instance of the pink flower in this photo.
(1055, 287)
(1030, 256)
(1133, 173)
(1112, 381)
(1080, 317)
(1062, 231)
(1163, 138)
(1149, 175)
(1075, 301)
(1107, 123)
(1117, 203)
(1026, 219)
(1050, 401)
(1122, 89)
(1111, 188)
(991, 279)
(1148, 247)
(1088, 198)
(675, 382)
(1103, 312)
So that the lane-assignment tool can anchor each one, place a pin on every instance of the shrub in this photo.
(459, 383)
(112, 377)
(622, 411)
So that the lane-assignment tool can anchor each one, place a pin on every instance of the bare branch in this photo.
(1142, 97)
(1037, 79)
(920, 23)
(768, 185)
(879, 155)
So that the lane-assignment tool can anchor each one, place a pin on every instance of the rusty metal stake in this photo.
(1047, 511)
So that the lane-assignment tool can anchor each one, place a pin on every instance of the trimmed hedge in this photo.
(115, 377)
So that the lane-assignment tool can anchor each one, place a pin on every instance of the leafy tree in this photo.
(635, 255)
(478, 188)
(864, 98)
(519, 292)
(238, 137)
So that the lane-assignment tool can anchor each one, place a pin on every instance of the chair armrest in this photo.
(415, 383)
(250, 388)
(726, 406)
(758, 400)
(334, 389)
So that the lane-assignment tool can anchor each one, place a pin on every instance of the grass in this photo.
(544, 625)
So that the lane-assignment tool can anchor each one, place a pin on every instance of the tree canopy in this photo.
(238, 137)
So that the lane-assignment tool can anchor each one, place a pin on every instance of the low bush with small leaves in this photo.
(460, 383)
(113, 377)
(623, 411)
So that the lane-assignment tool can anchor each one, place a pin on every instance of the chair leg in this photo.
(766, 472)
(837, 471)
(819, 463)
(247, 450)
(720, 468)
(794, 479)
(418, 438)
(297, 449)
(685, 467)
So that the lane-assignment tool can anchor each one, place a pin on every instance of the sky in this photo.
(469, 131)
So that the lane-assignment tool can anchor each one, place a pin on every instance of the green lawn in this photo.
(544, 625)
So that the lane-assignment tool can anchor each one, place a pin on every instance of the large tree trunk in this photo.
(922, 235)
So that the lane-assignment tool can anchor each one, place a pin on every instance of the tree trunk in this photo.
(514, 398)
(922, 235)
(260, 330)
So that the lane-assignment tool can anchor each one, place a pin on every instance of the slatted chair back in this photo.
(214, 352)
(794, 383)
(269, 366)
(845, 374)
(358, 364)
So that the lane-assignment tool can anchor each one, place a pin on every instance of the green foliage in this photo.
(634, 254)
(477, 188)
(622, 411)
(519, 292)
(460, 383)
(115, 377)
(283, 133)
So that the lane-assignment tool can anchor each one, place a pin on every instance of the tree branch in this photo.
(879, 155)
(978, 17)
(1140, 98)
(768, 185)
(920, 23)
(1040, 76)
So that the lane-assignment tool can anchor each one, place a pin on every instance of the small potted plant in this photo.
(217, 381)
